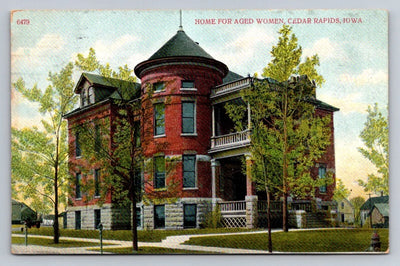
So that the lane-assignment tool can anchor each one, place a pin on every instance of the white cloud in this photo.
(368, 76)
(349, 104)
(326, 49)
(245, 47)
(107, 50)
(47, 46)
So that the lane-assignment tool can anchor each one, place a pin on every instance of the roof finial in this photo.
(180, 17)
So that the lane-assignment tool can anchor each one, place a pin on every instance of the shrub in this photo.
(213, 219)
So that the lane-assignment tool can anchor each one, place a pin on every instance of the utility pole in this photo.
(370, 210)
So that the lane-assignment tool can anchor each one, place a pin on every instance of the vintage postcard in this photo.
(199, 132)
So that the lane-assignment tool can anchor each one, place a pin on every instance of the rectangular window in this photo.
(136, 134)
(97, 138)
(188, 117)
(78, 151)
(97, 218)
(90, 95)
(78, 193)
(189, 215)
(97, 182)
(159, 119)
(77, 220)
(187, 84)
(321, 174)
(189, 171)
(138, 218)
(158, 86)
(159, 172)
(159, 216)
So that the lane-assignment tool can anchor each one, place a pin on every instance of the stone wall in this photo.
(174, 213)
(87, 216)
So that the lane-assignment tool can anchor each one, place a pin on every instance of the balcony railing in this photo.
(230, 87)
(232, 206)
(231, 140)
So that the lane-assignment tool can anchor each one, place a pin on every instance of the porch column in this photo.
(212, 126)
(250, 185)
(214, 165)
(248, 116)
(251, 197)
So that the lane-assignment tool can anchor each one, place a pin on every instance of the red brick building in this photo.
(188, 129)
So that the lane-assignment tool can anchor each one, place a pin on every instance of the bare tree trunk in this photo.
(134, 226)
(56, 227)
(269, 220)
(285, 166)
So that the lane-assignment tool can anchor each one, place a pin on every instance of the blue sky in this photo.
(354, 56)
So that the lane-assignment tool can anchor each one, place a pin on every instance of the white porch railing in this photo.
(242, 137)
(232, 206)
(230, 87)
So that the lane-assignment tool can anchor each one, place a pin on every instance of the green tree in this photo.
(357, 202)
(39, 156)
(287, 135)
(122, 163)
(375, 137)
(341, 192)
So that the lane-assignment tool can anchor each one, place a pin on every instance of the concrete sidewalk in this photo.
(171, 242)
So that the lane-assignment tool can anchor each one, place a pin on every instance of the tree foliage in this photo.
(375, 137)
(341, 191)
(39, 156)
(117, 153)
(357, 202)
(286, 134)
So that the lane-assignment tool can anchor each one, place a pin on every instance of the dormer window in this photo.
(87, 95)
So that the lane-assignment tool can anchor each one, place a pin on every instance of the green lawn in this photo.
(143, 235)
(50, 243)
(335, 240)
(150, 250)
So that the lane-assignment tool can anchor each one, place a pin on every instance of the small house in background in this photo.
(21, 213)
(368, 206)
(380, 215)
(345, 211)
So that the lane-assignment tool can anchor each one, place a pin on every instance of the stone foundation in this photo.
(120, 218)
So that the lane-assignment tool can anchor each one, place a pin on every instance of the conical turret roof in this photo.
(180, 49)
(180, 45)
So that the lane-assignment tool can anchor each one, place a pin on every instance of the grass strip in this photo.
(143, 235)
(333, 240)
(50, 243)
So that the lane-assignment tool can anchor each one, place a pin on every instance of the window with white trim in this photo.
(97, 182)
(159, 172)
(189, 215)
(78, 180)
(158, 86)
(159, 216)
(187, 84)
(321, 175)
(188, 117)
(189, 171)
(159, 119)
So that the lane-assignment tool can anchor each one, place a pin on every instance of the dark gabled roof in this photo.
(372, 201)
(103, 81)
(323, 105)
(107, 89)
(180, 45)
(231, 76)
